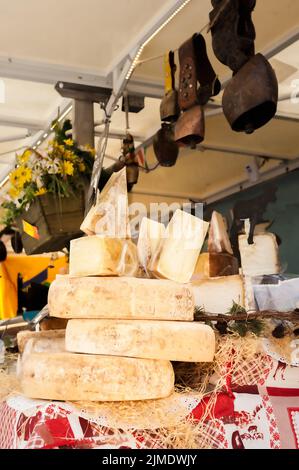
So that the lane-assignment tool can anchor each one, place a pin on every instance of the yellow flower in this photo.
(69, 142)
(67, 168)
(82, 167)
(25, 174)
(14, 177)
(69, 155)
(14, 192)
(40, 192)
(90, 149)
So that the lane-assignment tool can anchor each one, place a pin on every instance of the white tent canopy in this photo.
(89, 42)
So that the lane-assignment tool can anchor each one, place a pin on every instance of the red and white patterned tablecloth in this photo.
(260, 416)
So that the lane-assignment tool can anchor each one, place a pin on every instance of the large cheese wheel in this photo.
(65, 376)
(173, 341)
(218, 295)
(50, 341)
(120, 298)
(101, 256)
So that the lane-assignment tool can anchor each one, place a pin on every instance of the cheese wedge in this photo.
(76, 377)
(120, 298)
(110, 215)
(173, 341)
(262, 257)
(215, 265)
(101, 256)
(151, 234)
(177, 257)
(51, 341)
(219, 241)
(219, 294)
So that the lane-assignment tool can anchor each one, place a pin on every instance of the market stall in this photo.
(171, 325)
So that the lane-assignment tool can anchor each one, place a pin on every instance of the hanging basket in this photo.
(51, 222)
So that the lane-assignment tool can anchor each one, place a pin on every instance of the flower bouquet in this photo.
(46, 196)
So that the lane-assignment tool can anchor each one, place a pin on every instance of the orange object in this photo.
(40, 268)
(31, 230)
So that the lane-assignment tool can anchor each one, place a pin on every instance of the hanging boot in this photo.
(233, 32)
(195, 68)
(250, 99)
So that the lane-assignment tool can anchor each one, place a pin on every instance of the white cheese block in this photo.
(51, 341)
(76, 377)
(120, 298)
(110, 215)
(173, 341)
(177, 257)
(218, 295)
(101, 256)
(262, 257)
(151, 234)
(219, 241)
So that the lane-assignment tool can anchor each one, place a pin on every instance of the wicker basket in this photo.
(57, 221)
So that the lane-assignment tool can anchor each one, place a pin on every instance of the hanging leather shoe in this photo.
(198, 83)
(169, 108)
(233, 32)
(165, 148)
(250, 99)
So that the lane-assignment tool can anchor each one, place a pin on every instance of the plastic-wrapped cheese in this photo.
(110, 215)
(218, 295)
(151, 234)
(262, 257)
(77, 377)
(120, 298)
(173, 341)
(101, 256)
(183, 241)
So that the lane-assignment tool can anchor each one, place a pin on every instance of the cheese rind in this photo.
(120, 298)
(173, 341)
(219, 241)
(219, 294)
(183, 241)
(262, 257)
(215, 265)
(52, 340)
(100, 256)
(66, 376)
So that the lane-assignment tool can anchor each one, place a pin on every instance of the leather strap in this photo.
(170, 69)
(195, 68)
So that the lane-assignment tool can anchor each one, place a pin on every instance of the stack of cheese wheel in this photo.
(122, 332)
(121, 335)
